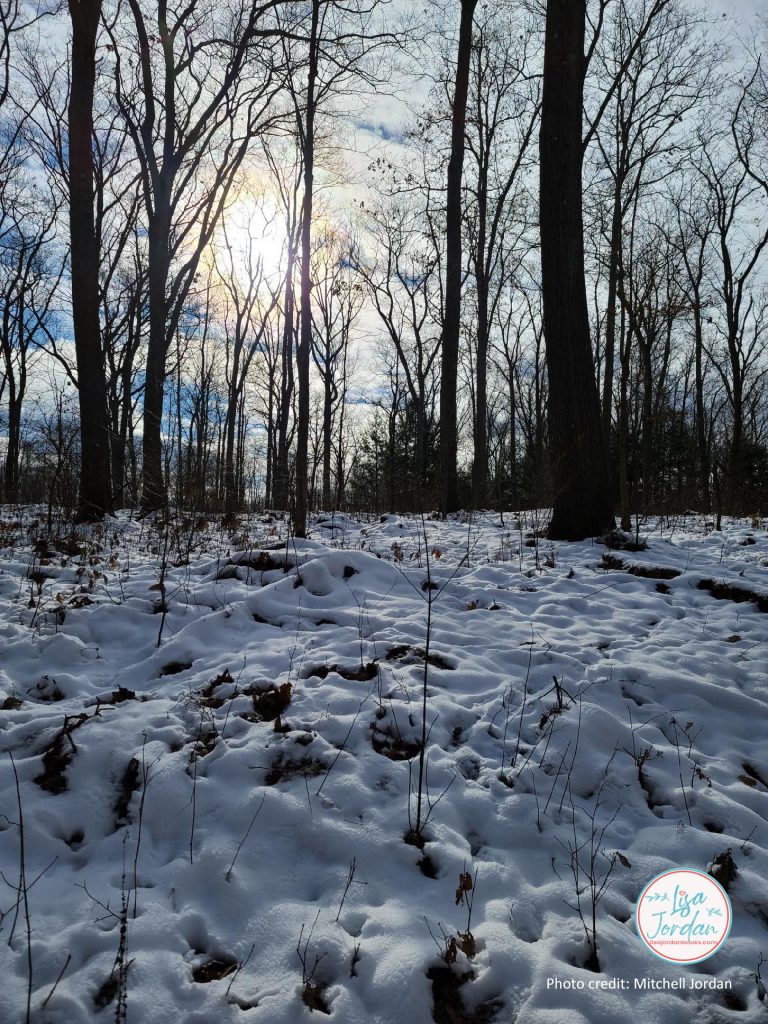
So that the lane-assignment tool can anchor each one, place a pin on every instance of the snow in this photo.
(248, 827)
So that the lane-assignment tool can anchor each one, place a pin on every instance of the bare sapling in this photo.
(591, 867)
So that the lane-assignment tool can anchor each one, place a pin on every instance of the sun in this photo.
(251, 243)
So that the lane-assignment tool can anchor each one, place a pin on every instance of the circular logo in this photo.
(683, 916)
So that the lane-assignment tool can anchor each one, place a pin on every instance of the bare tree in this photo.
(250, 295)
(504, 106)
(403, 280)
(202, 90)
(737, 187)
(338, 296)
(342, 44)
(31, 267)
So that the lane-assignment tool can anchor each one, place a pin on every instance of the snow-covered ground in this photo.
(202, 814)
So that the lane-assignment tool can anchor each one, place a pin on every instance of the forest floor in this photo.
(216, 736)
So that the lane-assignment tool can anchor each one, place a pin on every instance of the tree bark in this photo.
(582, 500)
(480, 461)
(153, 493)
(449, 484)
(304, 346)
(95, 498)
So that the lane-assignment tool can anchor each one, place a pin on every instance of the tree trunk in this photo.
(153, 494)
(735, 458)
(281, 475)
(449, 484)
(95, 497)
(512, 438)
(582, 499)
(623, 427)
(610, 316)
(480, 460)
(12, 451)
(647, 426)
(327, 441)
(231, 491)
(702, 452)
(480, 455)
(305, 337)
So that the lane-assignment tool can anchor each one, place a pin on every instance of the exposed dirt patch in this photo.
(388, 742)
(732, 1000)
(447, 1004)
(207, 696)
(313, 996)
(286, 767)
(729, 592)
(261, 561)
(205, 742)
(59, 753)
(270, 701)
(174, 667)
(620, 541)
(409, 655)
(753, 773)
(106, 993)
(121, 694)
(359, 673)
(724, 869)
(646, 572)
(214, 970)
(426, 865)
(129, 783)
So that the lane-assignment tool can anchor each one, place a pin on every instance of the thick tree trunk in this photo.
(268, 482)
(449, 484)
(480, 455)
(623, 427)
(95, 497)
(12, 451)
(480, 460)
(582, 499)
(231, 489)
(281, 473)
(512, 438)
(304, 347)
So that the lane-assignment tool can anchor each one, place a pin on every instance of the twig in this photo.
(239, 968)
(23, 890)
(242, 841)
(55, 984)
(350, 880)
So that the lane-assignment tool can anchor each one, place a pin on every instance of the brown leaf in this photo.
(465, 885)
